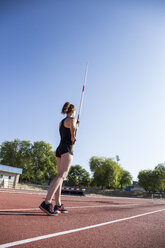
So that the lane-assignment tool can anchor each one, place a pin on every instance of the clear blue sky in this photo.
(44, 45)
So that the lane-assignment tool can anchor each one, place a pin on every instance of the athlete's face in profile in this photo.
(74, 113)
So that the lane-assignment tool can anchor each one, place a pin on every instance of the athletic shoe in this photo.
(48, 208)
(60, 209)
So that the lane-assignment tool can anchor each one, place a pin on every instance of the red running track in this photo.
(91, 222)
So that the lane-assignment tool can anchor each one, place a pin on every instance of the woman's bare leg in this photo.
(58, 191)
(65, 163)
(58, 195)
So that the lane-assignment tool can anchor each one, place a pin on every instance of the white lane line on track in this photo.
(23, 192)
(19, 209)
(25, 241)
(96, 206)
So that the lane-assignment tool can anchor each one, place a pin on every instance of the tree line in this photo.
(153, 180)
(39, 165)
(37, 160)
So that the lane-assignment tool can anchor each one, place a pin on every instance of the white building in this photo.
(9, 176)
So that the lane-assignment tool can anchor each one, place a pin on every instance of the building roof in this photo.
(10, 169)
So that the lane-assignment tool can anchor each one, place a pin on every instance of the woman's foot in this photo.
(48, 208)
(60, 209)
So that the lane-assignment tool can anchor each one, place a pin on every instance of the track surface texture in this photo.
(91, 222)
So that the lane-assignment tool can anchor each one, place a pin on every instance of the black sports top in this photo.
(66, 142)
(65, 133)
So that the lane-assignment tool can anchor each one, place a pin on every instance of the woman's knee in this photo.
(63, 174)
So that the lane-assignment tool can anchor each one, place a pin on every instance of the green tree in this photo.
(9, 153)
(157, 180)
(78, 176)
(44, 162)
(125, 179)
(106, 172)
(38, 161)
(161, 167)
(152, 180)
(144, 179)
(95, 162)
(18, 154)
(112, 173)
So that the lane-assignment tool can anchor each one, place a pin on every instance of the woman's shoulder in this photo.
(70, 120)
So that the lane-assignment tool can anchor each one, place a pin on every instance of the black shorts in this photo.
(64, 148)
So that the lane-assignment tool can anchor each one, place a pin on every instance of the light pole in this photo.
(116, 158)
